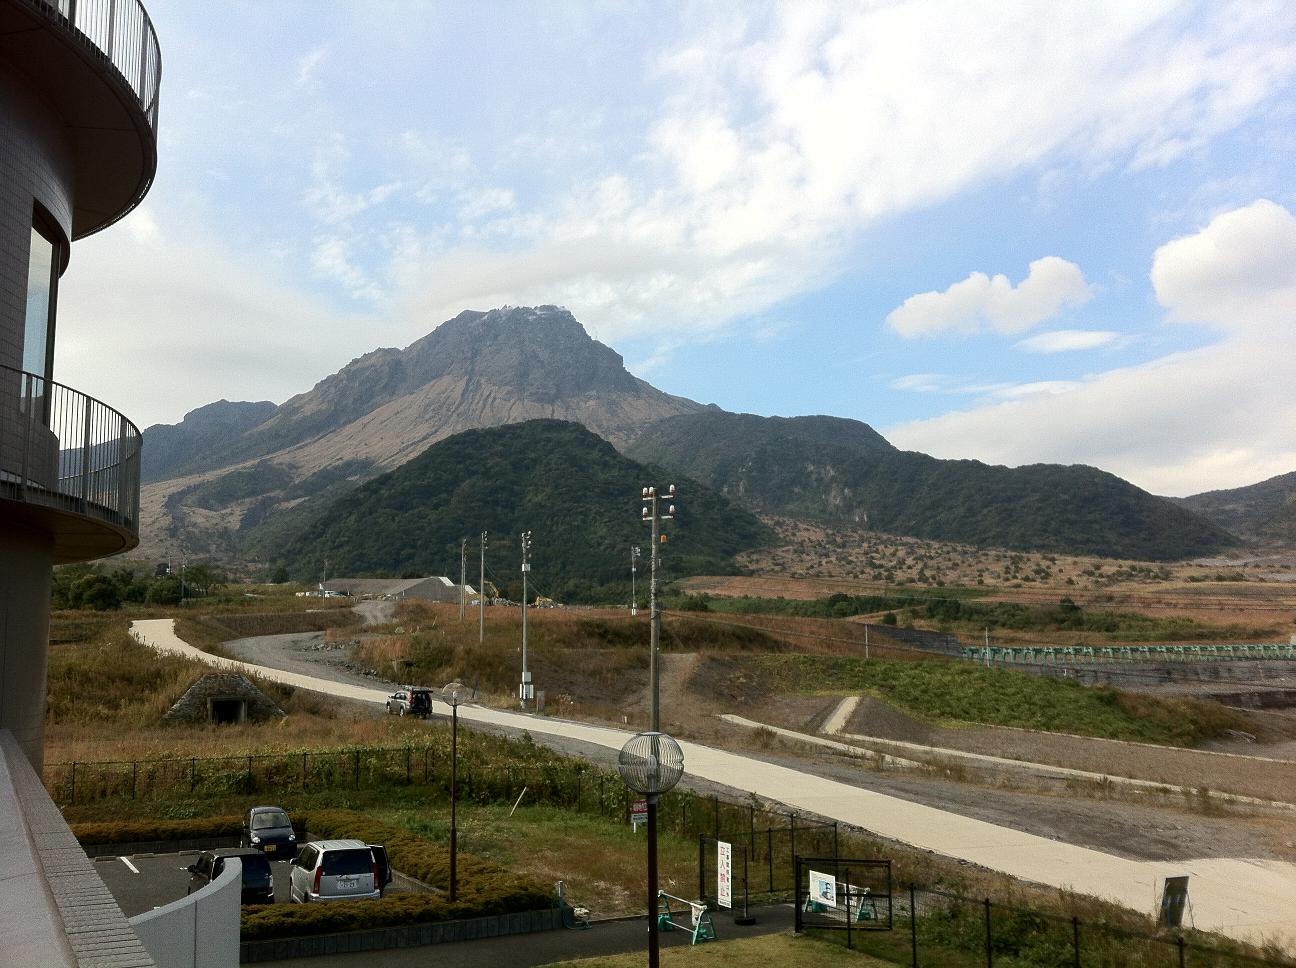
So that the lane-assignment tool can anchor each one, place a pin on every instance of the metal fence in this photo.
(60, 448)
(122, 31)
(953, 931)
(764, 858)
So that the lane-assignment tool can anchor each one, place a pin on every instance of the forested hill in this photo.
(570, 488)
(811, 469)
(1265, 511)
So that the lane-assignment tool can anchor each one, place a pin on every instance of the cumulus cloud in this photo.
(1068, 340)
(790, 132)
(214, 323)
(1239, 274)
(1219, 416)
(982, 303)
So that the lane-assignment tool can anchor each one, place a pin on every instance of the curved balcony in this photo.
(98, 62)
(69, 466)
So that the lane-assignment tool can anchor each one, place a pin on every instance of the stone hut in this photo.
(220, 698)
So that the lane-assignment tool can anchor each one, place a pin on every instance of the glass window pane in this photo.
(40, 278)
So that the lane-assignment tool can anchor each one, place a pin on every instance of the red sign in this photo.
(639, 808)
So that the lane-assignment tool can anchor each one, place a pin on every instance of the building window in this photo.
(43, 266)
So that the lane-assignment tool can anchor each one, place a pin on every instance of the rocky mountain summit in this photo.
(209, 478)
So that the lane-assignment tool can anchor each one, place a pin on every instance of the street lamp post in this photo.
(463, 576)
(525, 691)
(481, 594)
(651, 764)
(652, 513)
(453, 694)
(634, 567)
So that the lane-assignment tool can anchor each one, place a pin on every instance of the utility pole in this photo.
(463, 576)
(634, 567)
(653, 513)
(525, 691)
(481, 594)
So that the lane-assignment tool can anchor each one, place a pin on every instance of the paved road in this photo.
(1238, 897)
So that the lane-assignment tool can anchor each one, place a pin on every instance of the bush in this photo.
(135, 831)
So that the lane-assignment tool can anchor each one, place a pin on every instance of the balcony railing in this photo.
(123, 33)
(63, 450)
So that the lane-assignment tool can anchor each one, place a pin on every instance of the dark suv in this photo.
(258, 880)
(270, 830)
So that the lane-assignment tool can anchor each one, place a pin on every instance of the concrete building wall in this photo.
(198, 931)
(36, 167)
(25, 563)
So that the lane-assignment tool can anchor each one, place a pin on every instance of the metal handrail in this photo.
(122, 31)
(60, 448)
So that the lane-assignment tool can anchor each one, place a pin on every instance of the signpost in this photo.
(1174, 899)
(724, 874)
(638, 814)
(823, 890)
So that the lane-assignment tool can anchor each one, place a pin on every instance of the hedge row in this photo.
(136, 831)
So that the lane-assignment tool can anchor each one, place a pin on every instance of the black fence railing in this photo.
(60, 448)
(123, 33)
(939, 927)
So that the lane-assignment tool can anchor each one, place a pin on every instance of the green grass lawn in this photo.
(784, 950)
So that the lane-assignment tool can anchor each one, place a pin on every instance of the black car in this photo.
(269, 829)
(258, 879)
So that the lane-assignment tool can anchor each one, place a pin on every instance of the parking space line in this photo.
(126, 861)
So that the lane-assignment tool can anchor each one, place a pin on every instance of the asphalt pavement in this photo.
(545, 947)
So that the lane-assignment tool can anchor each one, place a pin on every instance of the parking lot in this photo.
(141, 882)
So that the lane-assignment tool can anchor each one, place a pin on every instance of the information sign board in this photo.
(724, 874)
(823, 889)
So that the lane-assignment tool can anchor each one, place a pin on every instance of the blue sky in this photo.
(1016, 232)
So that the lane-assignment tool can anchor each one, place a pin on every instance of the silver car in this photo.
(334, 870)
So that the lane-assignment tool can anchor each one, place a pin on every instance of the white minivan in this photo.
(334, 870)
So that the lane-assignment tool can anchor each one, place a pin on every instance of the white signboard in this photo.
(724, 874)
(823, 889)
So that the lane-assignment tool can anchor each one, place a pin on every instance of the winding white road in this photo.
(1245, 899)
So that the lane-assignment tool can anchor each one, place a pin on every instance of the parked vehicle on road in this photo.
(410, 702)
(269, 829)
(258, 880)
(334, 870)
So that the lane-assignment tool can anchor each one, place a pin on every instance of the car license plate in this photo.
(271, 848)
(347, 883)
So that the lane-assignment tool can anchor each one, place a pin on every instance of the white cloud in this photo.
(920, 382)
(981, 303)
(490, 201)
(212, 323)
(1219, 416)
(783, 135)
(1238, 274)
(307, 63)
(1069, 340)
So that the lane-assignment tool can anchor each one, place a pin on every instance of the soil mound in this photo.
(873, 717)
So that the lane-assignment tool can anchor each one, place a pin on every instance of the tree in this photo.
(279, 575)
(95, 591)
(204, 578)
(165, 591)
